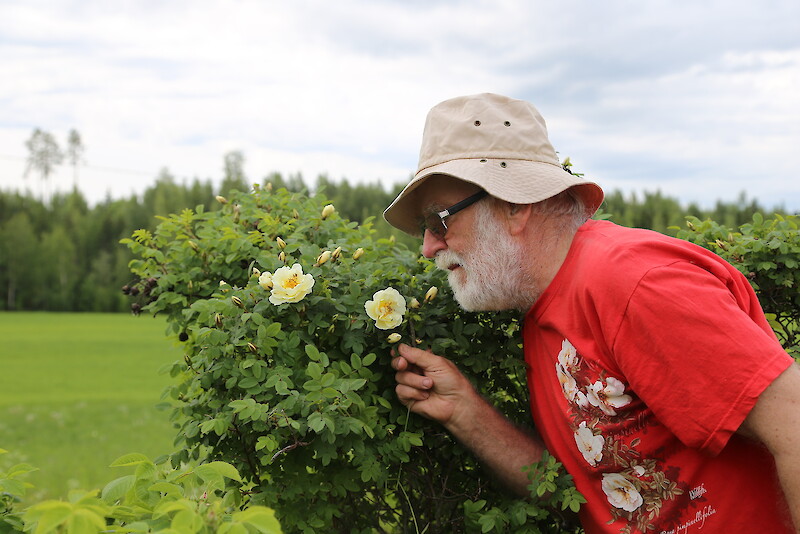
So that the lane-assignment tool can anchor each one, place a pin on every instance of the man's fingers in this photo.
(419, 357)
(408, 394)
(414, 380)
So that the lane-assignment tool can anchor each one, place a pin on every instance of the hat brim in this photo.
(513, 180)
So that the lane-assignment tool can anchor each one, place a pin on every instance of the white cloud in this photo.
(697, 99)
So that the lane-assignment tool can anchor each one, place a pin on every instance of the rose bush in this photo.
(286, 373)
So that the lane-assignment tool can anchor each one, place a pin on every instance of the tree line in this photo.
(61, 254)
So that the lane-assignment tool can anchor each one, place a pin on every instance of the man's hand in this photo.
(431, 386)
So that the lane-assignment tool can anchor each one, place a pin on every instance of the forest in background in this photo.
(64, 255)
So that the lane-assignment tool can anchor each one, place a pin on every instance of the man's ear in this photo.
(517, 216)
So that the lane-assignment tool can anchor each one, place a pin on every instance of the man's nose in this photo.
(432, 244)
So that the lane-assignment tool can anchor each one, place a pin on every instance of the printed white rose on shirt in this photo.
(567, 362)
(568, 357)
(621, 493)
(567, 381)
(608, 396)
(590, 445)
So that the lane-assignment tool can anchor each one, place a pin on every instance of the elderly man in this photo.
(653, 373)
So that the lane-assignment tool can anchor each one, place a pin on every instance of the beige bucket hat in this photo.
(495, 142)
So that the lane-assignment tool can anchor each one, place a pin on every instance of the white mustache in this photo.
(446, 258)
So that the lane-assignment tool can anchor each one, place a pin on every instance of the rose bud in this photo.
(358, 253)
(265, 280)
(431, 294)
(281, 242)
(327, 211)
(324, 257)
(394, 337)
(236, 300)
(221, 199)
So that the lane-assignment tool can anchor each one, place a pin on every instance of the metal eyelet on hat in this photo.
(477, 123)
(503, 164)
(483, 161)
(507, 123)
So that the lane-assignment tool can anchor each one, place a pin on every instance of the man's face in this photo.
(491, 274)
(484, 263)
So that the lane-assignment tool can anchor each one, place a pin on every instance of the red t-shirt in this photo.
(645, 354)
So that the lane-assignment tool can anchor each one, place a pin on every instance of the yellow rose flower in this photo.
(290, 285)
(386, 308)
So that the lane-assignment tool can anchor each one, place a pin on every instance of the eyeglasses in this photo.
(435, 221)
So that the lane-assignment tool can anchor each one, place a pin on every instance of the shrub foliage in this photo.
(291, 384)
(299, 396)
(200, 499)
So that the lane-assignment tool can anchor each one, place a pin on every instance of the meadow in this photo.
(78, 390)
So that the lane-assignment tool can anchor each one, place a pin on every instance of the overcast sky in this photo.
(698, 99)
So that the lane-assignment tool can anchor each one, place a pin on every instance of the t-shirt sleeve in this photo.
(691, 353)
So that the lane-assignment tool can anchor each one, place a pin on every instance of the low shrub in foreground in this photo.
(203, 499)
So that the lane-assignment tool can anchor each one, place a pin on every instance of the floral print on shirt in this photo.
(635, 487)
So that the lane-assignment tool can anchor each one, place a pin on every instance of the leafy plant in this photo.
(199, 499)
(767, 251)
(12, 488)
(294, 388)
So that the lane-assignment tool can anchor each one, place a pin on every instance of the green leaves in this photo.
(191, 500)
(299, 397)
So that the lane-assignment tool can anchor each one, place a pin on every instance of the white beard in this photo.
(492, 274)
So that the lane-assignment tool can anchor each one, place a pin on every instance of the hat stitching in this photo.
(485, 160)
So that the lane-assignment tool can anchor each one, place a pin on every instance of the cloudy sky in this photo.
(697, 99)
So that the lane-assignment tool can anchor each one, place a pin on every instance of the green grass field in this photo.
(79, 390)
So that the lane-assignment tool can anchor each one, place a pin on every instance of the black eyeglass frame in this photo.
(438, 226)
